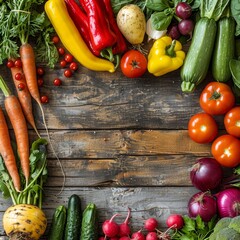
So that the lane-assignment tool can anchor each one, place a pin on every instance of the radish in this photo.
(124, 228)
(110, 228)
(125, 238)
(151, 224)
(175, 221)
(152, 236)
(138, 236)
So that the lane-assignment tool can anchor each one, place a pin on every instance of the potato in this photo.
(132, 23)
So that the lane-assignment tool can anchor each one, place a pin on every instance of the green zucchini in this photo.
(89, 223)
(74, 218)
(224, 49)
(56, 231)
(198, 57)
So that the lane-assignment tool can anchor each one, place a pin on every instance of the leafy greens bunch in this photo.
(22, 21)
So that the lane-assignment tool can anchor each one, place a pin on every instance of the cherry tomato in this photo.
(133, 64)
(63, 63)
(73, 66)
(44, 99)
(18, 63)
(40, 71)
(68, 58)
(226, 150)
(21, 86)
(61, 51)
(202, 128)
(10, 63)
(232, 121)
(57, 82)
(217, 98)
(68, 73)
(18, 76)
(40, 82)
(55, 39)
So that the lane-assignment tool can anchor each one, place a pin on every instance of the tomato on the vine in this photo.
(226, 150)
(133, 64)
(232, 121)
(217, 98)
(18, 63)
(202, 128)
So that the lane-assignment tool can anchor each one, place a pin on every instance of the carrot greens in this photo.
(23, 21)
(32, 193)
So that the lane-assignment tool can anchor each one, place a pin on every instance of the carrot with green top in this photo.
(19, 124)
(7, 153)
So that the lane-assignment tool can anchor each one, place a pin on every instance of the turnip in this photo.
(124, 228)
(132, 23)
(151, 224)
(110, 228)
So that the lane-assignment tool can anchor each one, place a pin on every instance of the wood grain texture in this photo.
(122, 143)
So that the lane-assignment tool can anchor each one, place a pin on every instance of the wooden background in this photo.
(122, 143)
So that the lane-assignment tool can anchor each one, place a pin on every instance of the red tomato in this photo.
(40, 71)
(73, 66)
(63, 63)
(61, 51)
(44, 99)
(68, 58)
(57, 82)
(18, 76)
(217, 98)
(226, 150)
(202, 128)
(21, 86)
(232, 121)
(18, 63)
(68, 73)
(133, 64)
(10, 63)
(55, 39)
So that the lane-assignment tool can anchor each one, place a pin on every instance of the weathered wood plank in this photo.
(91, 100)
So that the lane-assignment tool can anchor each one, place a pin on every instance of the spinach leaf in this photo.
(213, 8)
(235, 9)
(161, 20)
(158, 5)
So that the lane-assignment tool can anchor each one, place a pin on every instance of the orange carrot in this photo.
(19, 124)
(7, 152)
(24, 95)
(29, 68)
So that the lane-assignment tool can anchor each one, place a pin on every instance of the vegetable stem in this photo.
(6, 91)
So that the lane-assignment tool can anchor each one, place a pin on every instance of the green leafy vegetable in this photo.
(213, 8)
(23, 21)
(235, 9)
(194, 229)
(32, 192)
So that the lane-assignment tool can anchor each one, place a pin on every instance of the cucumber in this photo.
(74, 218)
(89, 223)
(224, 49)
(198, 57)
(56, 231)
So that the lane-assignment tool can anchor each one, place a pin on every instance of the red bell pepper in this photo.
(121, 44)
(80, 19)
(102, 36)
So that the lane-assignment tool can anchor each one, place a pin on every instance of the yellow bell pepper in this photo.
(166, 55)
(70, 37)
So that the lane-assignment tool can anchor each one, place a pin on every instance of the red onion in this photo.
(202, 204)
(228, 202)
(206, 174)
